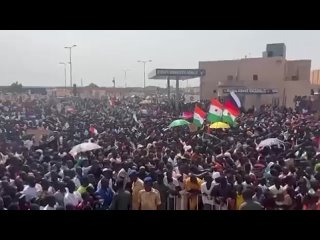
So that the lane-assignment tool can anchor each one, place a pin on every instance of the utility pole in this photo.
(70, 63)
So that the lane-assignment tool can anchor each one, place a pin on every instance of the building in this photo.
(267, 80)
(315, 77)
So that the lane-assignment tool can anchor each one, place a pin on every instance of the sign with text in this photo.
(251, 90)
(181, 72)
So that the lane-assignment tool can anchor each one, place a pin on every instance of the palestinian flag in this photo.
(215, 111)
(198, 116)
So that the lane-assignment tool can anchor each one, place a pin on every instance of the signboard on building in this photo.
(181, 74)
(250, 90)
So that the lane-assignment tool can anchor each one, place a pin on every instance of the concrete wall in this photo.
(315, 77)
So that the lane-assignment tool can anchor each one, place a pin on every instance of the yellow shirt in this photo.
(149, 200)
(193, 186)
(137, 186)
(239, 201)
(82, 189)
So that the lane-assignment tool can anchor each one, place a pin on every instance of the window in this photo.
(255, 77)
(294, 78)
(230, 77)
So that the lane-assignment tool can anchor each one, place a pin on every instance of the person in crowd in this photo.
(249, 203)
(51, 203)
(173, 185)
(149, 198)
(30, 192)
(162, 189)
(122, 199)
(137, 185)
(71, 197)
(193, 187)
(206, 190)
(105, 193)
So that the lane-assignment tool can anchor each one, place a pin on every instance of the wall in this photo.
(315, 77)
(299, 68)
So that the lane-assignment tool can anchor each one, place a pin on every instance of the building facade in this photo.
(266, 80)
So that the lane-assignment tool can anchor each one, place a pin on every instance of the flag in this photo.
(198, 116)
(187, 115)
(229, 116)
(231, 109)
(215, 111)
(233, 103)
(93, 131)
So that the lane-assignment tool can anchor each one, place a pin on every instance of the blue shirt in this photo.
(106, 195)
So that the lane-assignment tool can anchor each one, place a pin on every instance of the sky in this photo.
(32, 57)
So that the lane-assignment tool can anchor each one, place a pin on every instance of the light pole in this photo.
(70, 63)
(65, 77)
(144, 71)
(125, 77)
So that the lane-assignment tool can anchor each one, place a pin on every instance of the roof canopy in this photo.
(181, 74)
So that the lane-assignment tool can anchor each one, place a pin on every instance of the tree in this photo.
(16, 88)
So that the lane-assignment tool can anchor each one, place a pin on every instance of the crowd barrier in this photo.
(182, 202)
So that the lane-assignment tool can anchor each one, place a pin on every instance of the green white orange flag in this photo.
(198, 116)
(229, 116)
(231, 109)
(215, 111)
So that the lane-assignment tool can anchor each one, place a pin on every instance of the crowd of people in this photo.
(144, 165)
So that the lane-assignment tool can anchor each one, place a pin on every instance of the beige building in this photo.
(265, 80)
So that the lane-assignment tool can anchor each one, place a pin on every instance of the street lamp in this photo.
(70, 63)
(144, 71)
(125, 77)
(65, 77)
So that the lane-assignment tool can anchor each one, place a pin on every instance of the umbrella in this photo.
(84, 147)
(179, 122)
(269, 142)
(218, 125)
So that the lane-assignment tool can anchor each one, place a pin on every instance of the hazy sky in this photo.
(32, 57)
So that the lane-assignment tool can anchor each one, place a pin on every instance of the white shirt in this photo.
(276, 191)
(172, 185)
(85, 170)
(110, 185)
(215, 175)
(76, 182)
(207, 199)
(173, 162)
(30, 193)
(123, 175)
(72, 198)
